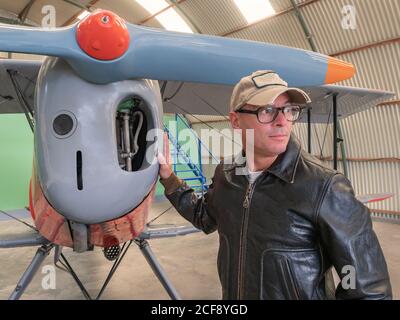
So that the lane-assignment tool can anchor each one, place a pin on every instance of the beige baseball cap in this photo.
(263, 87)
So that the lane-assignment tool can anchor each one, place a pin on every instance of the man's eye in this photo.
(269, 110)
(291, 109)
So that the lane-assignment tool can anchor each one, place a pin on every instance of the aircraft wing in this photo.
(160, 231)
(350, 100)
(368, 198)
(196, 98)
(25, 73)
(207, 99)
(26, 237)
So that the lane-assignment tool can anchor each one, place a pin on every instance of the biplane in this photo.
(103, 86)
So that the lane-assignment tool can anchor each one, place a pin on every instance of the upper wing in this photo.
(350, 100)
(196, 98)
(25, 73)
(207, 99)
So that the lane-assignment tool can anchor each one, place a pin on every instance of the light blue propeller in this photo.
(164, 55)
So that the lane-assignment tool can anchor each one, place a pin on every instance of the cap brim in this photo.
(269, 95)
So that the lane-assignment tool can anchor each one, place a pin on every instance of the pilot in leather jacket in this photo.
(279, 236)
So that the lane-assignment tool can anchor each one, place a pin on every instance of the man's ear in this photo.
(233, 117)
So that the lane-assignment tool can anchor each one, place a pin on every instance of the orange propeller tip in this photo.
(338, 70)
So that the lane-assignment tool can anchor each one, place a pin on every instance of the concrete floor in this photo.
(189, 261)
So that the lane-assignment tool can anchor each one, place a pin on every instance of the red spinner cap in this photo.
(103, 35)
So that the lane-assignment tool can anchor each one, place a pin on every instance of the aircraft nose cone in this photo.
(103, 35)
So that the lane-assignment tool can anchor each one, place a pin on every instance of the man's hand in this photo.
(165, 169)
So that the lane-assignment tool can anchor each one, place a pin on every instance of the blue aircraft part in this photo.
(166, 55)
(60, 42)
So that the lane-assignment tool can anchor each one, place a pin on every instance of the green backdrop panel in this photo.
(16, 154)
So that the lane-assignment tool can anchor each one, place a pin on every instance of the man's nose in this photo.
(280, 119)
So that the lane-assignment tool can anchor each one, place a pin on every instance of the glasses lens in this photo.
(291, 113)
(268, 114)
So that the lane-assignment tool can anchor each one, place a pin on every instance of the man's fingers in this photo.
(165, 170)
(161, 159)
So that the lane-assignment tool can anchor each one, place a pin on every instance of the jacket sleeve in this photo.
(196, 210)
(345, 230)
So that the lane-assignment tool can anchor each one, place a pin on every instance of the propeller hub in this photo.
(103, 35)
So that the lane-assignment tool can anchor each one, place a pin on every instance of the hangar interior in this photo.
(365, 33)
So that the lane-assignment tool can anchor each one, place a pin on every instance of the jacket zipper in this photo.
(243, 234)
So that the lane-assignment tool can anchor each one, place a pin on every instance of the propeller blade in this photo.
(59, 42)
(199, 58)
(368, 198)
(103, 48)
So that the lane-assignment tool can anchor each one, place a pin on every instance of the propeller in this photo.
(103, 48)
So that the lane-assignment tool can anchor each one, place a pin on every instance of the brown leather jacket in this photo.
(279, 236)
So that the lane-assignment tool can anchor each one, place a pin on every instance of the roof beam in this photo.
(368, 46)
(161, 11)
(93, 2)
(25, 11)
(389, 103)
(78, 5)
(15, 21)
(185, 15)
(304, 26)
(76, 15)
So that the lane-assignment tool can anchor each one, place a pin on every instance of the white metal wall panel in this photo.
(374, 133)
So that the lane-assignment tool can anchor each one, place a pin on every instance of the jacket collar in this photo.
(284, 167)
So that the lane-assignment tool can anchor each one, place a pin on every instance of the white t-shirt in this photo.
(253, 175)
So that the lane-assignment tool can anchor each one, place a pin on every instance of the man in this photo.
(284, 224)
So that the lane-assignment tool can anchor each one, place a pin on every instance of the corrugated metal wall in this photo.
(283, 30)
(213, 17)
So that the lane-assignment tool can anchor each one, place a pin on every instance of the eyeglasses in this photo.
(268, 114)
